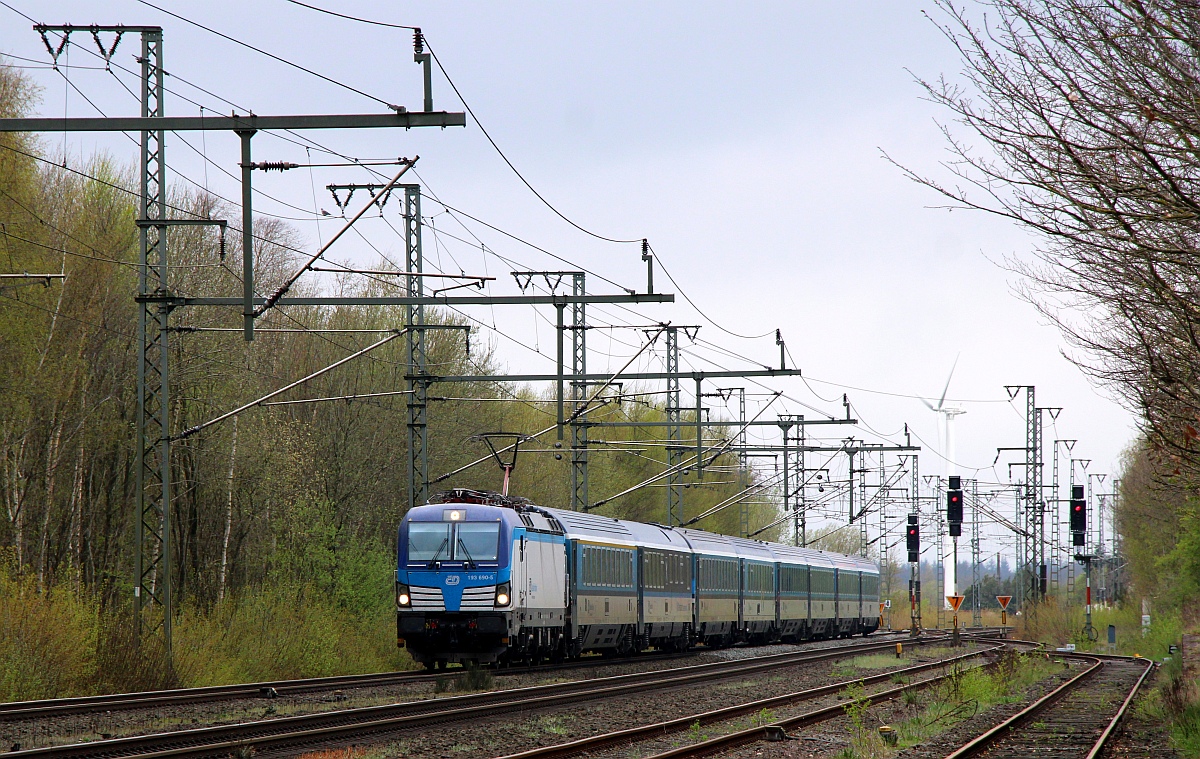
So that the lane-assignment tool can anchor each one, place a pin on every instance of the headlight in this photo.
(403, 599)
(503, 594)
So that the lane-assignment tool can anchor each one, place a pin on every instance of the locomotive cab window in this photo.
(453, 541)
(477, 541)
(428, 541)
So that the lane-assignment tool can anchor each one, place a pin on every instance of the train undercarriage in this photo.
(485, 639)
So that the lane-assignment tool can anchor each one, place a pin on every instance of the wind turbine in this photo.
(947, 415)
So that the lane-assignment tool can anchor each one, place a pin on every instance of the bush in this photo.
(47, 641)
(281, 633)
(1056, 623)
(58, 643)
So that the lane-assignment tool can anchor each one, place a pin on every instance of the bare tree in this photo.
(1090, 114)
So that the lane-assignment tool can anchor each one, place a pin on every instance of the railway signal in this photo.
(955, 602)
(1003, 601)
(1078, 516)
(914, 539)
(954, 506)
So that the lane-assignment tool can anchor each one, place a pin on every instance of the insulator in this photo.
(274, 165)
(418, 41)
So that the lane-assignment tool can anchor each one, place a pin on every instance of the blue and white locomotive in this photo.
(483, 578)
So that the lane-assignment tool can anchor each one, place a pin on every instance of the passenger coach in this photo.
(484, 578)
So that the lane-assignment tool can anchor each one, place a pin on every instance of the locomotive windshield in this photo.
(477, 541)
(453, 541)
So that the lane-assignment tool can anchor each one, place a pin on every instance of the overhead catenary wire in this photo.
(514, 169)
(229, 414)
(368, 21)
(579, 412)
(130, 192)
(346, 398)
(778, 475)
(280, 291)
(272, 56)
(687, 462)
(393, 107)
(353, 18)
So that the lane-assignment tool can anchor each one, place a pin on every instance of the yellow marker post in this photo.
(1003, 601)
(955, 602)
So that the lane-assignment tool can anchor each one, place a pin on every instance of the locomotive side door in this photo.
(545, 563)
(520, 570)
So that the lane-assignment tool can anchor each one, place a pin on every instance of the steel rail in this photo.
(1112, 724)
(778, 730)
(322, 727)
(17, 710)
(985, 740)
(23, 710)
(597, 742)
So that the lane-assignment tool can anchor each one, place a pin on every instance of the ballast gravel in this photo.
(527, 730)
(54, 731)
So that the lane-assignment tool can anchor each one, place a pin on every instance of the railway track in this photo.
(19, 710)
(297, 732)
(1074, 720)
(591, 744)
(61, 707)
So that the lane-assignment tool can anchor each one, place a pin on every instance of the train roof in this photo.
(601, 529)
(858, 563)
(435, 512)
(798, 555)
(714, 544)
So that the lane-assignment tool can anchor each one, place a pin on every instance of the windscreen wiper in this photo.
(433, 563)
(469, 560)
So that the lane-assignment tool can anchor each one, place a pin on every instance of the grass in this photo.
(336, 753)
(945, 706)
(967, 691)
(847, 669)
(58, 643)
(1172, 702)
(553, 724)
(763, 717)
(880, 661)
(865, 742)
(1057, 623)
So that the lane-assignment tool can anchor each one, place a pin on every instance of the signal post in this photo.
(955, 602)
(1003, 601)
(913, 539)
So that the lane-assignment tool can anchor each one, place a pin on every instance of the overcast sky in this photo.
(743, 140)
